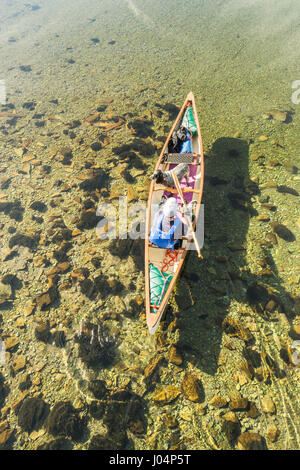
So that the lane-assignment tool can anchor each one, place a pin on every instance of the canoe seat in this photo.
(180, 158)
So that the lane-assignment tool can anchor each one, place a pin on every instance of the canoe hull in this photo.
(159, 257)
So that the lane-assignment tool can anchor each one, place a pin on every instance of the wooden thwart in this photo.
(174, 191)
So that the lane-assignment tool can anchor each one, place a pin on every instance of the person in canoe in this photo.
(169, 226)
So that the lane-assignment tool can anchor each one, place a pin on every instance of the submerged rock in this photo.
(3, 389)
(98, 388)
(283, 232)
(250, 441)
(125, 410)
(30, 242)
(272, 433)
(268, 406)
(112, 441)
(96, 346)
(192, 388)
(233, 327)
(99, 180)
(56, 444)
(97, 409)
(231, 427)
(166, 395)
(31, 414)
(280, 116)
(64, 420)
(152, 369)
(46, 299)
(218, 402)
(287, 190)
(238, 403)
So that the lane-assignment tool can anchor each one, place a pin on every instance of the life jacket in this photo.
(164, 239)
(186, 146)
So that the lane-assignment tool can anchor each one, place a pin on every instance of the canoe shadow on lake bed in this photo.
(223, 276)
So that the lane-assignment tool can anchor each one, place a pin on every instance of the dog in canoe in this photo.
(166, 177)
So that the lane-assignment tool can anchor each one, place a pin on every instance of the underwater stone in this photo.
(96, 146)
(96, 346)
(38, 206)
(42, 331)
(286, 190)
(152, 369)
(142, 128)
(31, 413)
(46, 299)
(166, 395)
(294, 332)
(233, 327)
(268, 406)
(115, 441)
(24, 240)
(25, 383)
(3, 389)
(121, 247)
(125, 409)
(175, 356)
(253, 411)
(59, 338)
(238, 403)
(64, 420)
(25, 68)
(231, 429)
(87, 287)
(250, 441)
(283, 232)
(98, 181)
(218, 402)
(272, 433)
(97, 409)
(192, 388)
(56, 444)
(98, 388)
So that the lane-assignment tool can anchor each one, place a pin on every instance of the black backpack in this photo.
(177, 138)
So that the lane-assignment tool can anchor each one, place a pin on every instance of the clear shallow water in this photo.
(239, 59)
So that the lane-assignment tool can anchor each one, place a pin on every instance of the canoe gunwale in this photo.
(153, 319)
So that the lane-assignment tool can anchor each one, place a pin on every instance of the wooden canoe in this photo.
(160, 257)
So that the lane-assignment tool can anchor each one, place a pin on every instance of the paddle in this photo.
(185, 207)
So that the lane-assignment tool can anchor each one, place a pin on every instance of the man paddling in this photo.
(169, 226)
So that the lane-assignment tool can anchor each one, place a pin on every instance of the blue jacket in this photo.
(163, 239)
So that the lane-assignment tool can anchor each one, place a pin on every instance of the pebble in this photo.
(191, 387)
(218, 402)
(250, 441)
(268, 406)
(280, 116)
(175, 356)
(272, 433)
(11, 342)
(4, 436)
(166, 395)
(238, 403)
(19, 363)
